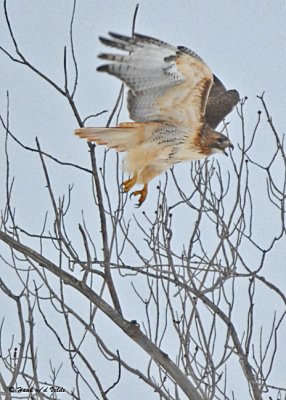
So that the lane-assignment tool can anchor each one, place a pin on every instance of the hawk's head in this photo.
(214, 142)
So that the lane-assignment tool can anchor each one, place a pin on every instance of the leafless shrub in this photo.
(195, 275)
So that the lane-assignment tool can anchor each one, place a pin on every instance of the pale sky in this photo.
(243, 42)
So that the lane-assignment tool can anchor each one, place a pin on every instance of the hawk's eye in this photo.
(220, 140)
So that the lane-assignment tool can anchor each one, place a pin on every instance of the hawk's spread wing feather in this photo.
(220, 103)
(167, 83)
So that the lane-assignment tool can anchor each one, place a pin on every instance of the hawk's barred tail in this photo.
(122, 138)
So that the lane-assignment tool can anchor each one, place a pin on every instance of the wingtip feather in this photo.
(118, 36)
(103, 68)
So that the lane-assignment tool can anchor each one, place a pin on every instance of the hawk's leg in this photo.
(127, 185)
(142, 193)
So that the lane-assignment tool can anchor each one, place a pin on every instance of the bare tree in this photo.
(191, 275)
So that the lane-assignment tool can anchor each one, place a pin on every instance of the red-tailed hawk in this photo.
(175, 101)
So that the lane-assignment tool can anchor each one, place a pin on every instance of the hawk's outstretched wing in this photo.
(220, 103)
(167, 83)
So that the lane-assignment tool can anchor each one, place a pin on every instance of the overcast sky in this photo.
(243, 42)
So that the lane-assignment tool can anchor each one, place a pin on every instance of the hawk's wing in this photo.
(167, 83)
(220, 103)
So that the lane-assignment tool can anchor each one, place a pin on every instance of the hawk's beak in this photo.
(231, 146)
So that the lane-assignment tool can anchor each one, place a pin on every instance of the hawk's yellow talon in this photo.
(127, 185)
(142, 193)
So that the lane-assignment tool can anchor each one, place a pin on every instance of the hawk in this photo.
(175, 102)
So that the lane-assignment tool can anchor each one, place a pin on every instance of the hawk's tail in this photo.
(122, 138)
